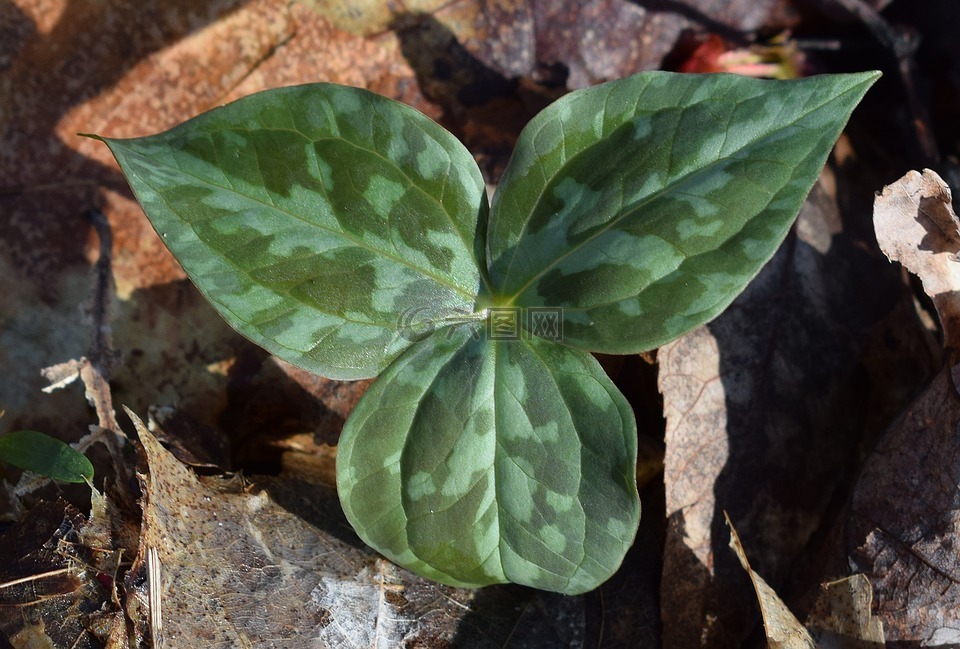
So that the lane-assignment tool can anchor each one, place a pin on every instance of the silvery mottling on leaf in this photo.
(312, 216)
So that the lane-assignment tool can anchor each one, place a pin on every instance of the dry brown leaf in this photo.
(842, 617)
(765, 407)
(783, 629)
(917, 227)
(237, 569)
(903, 530)
(57, 573)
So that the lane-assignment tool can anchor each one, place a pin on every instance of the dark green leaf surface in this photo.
(475, 461)
(40, 453)
(317, 219)
(643, 206)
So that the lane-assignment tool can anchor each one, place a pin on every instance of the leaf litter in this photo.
(238, 569)
(840, 618)
(740, 439)
(46, 331)
(58, 577)
(903, 527)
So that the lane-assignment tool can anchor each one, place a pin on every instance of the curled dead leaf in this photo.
(917, 227)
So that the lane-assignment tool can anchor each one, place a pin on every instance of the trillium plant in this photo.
(351, 235)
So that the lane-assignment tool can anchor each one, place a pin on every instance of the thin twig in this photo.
(95, 373)
(42, 575)
(154, 598)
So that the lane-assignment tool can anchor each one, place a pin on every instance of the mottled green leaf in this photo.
(475, 461)
(317, 219)
(643, 206)
(347, 234)
(40, 453)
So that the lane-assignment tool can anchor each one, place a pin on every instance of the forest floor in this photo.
(821, 412)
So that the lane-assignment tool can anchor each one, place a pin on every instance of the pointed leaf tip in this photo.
(642, 207)
(323, 222)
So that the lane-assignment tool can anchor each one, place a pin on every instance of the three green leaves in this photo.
(350, 235)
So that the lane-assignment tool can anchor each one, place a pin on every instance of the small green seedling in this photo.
(48, 456)
(350, 235)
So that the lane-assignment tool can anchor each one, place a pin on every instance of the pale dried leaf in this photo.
(359, 600)
(62, 374)
(917, 227)
(784, 630)
(842, 618)
(235, 567)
